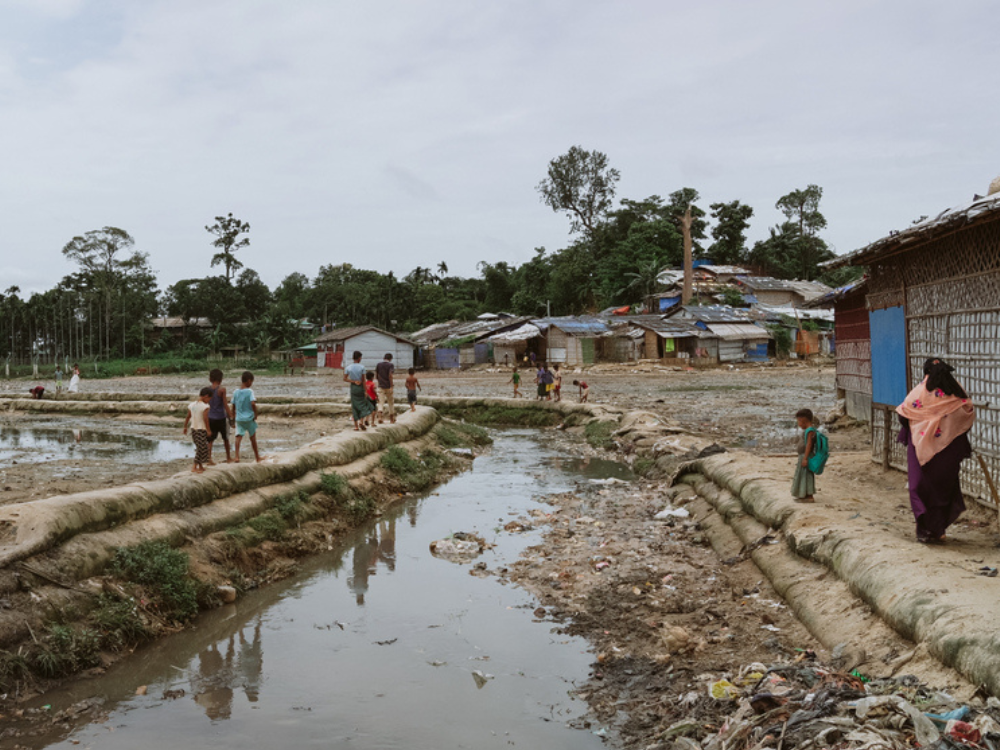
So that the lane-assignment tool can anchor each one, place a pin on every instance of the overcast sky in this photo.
(400, 133)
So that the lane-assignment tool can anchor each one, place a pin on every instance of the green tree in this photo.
(641, 282)
(731, 222)
(581, 184)
(115, 280)
(227, 230)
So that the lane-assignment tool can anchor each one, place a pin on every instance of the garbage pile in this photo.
(803, 705)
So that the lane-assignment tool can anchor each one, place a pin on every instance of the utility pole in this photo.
(686, 221)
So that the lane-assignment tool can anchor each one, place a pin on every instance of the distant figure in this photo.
(74, 382)
(531, 356)
(936, 418)
(355, 375)
(804, 481)
(384, 371)
(245, 408)
(372, 395)
(412, 386)
(545, 379)
(220, 413)
(584, 390)
(37, 392)
(557, 384)
(515, 379)
(197, 417)
(59, 380)
(506, 359)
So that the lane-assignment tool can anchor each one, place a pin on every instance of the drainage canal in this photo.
(376, 644)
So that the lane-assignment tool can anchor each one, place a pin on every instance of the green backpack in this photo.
(821, 452)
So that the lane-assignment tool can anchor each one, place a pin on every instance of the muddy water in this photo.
(376, 644)
(37, 444)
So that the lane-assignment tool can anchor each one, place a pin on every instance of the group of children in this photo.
(38, 391)
(213, 414)
(371, 406)
(549, 383)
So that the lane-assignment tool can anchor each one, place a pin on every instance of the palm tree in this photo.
(643, 280)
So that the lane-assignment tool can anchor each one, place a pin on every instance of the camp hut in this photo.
(511, 346)
(736, 337)
(933, 290)
(722, 274)
(573, 341)
(667, 339)
(770, 291)
(469, 344)
(335, 348)
(854, 349)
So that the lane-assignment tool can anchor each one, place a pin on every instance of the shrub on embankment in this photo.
(502, 415)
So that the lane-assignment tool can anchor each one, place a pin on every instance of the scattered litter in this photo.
(481, 678)
(670, 512)
(608, 481)
(988, 571)
(461, 546)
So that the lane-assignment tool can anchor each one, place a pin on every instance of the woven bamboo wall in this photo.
(854, 346)
(951, 291)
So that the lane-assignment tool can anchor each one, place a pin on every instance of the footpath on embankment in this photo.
(848, 565)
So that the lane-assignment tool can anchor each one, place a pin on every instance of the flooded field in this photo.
(38, 443)
(377, 644)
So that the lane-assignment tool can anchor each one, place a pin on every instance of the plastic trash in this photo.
(724, 690)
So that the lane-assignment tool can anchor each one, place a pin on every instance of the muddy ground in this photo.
(664, 612)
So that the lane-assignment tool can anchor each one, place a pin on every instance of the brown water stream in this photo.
(376, 644)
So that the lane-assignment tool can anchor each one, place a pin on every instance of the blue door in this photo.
(888, 329)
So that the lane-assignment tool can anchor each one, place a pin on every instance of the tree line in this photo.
(613, 257)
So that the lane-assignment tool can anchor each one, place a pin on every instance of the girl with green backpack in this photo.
(813, 450)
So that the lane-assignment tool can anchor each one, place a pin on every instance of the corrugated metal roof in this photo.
(765, 284)
(736, 331)
(521, 333)
(342, 334)
(668, 329)
(583, 325)
(710, 314)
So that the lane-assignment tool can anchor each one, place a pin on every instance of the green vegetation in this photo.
(641, 466)
(119, 622)
(512, 416)
(782, 339)
(356, 507)
(413, 473)
(459, 434)
(163, 572)
(66, 649)
(599, 434)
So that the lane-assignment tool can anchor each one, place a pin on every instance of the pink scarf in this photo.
(935, 419)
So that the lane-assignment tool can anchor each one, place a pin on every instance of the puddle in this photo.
(591, 468)
(373, 645)
(41, 444)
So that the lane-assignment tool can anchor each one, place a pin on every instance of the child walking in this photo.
(557, 384)
(412, 386)
(372, 396)
(245, 407)
(219, 415)
(197, 417)
(804, 481)
(516, 380)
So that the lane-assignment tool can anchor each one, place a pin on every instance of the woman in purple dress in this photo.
(936, 417)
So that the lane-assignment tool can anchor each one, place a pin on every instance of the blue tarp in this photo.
(667, 302)
(888, 330)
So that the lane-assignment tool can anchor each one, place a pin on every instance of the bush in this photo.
(397, 461)
(599, 434)
(118, 622)
(782, 339)
(163, 571)
(65, 650)
(292, 507)
(334, 485)
(269, 525)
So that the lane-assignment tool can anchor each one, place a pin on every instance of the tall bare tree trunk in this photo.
(687, 291)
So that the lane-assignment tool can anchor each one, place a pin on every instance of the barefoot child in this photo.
(516, 380)
(804, 481)
(372, 396)
(584, 390)
(245, 407)
(219, 414)
(557, 384)
(412, 386)
(197, 417)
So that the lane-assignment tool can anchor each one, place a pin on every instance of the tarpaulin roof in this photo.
(522, 333)
(797, 312)
(582, 325)
(736, 331)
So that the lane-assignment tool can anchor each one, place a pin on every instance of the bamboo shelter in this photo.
(933, 290)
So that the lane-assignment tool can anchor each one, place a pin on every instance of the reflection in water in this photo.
(379, 545)
(218, 677)
(383, 662)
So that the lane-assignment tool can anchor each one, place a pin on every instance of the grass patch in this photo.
(334, 485)
(641, 466)
(511, 416)
(413, 473)
(164, 573)
(65, 649)
(356, 507)
(599, 434)
(118, 622)
(461, 435)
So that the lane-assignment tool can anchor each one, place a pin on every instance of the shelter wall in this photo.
(949, 289)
